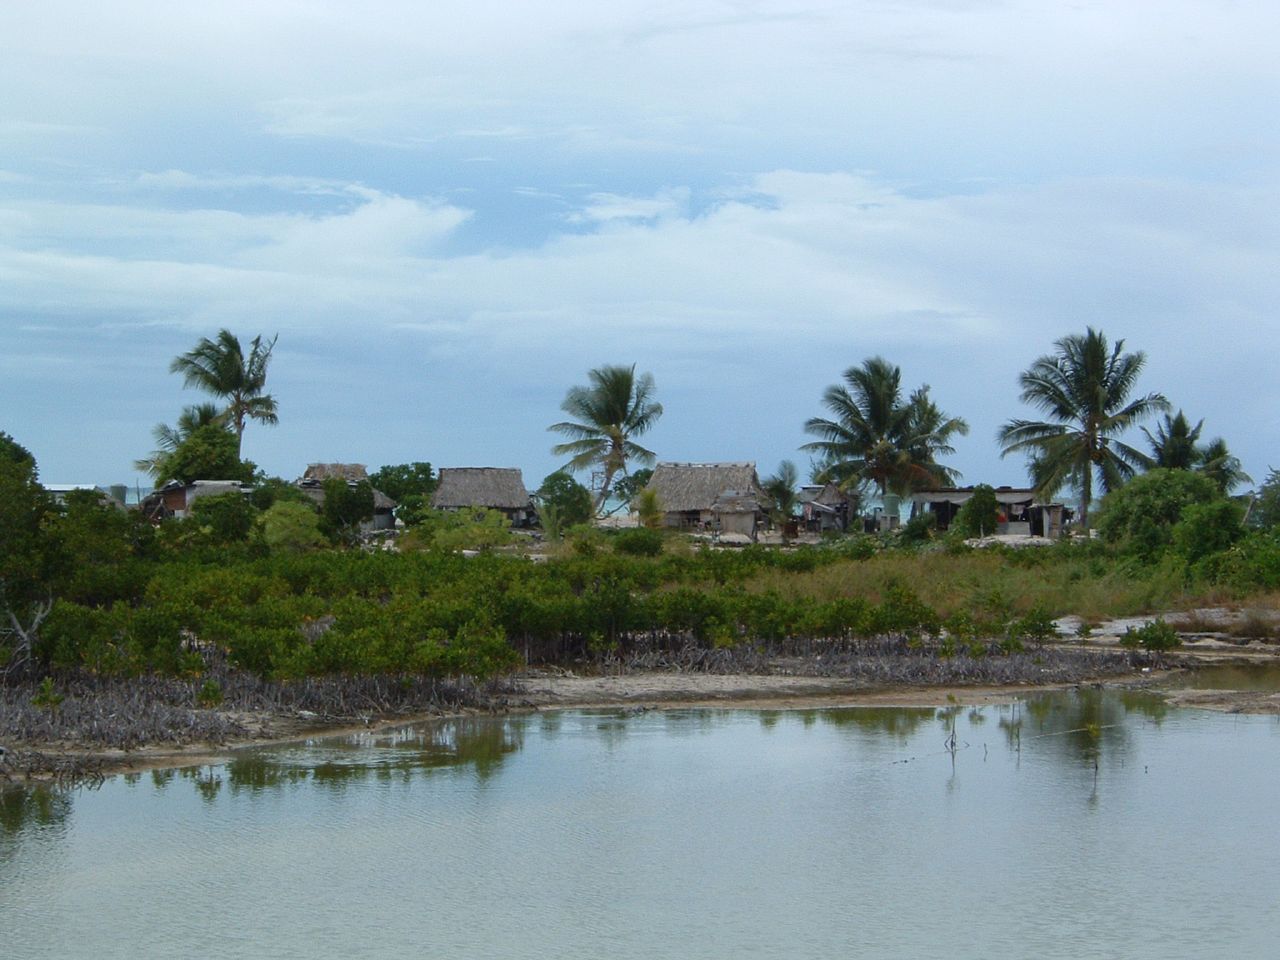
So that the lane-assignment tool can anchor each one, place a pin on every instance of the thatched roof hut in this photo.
(689, 487)
(717, 496)
(312, 484)
(494, 488)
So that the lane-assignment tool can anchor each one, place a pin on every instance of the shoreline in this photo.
(557, 689)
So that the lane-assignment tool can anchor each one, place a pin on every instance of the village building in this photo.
(724, 498)
(174, 499)
(1021, 512)
(824, 508)
(490, 488)
(312, 484)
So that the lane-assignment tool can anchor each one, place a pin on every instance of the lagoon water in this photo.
(1074, 824)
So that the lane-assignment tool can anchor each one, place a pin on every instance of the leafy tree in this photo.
(404, 480)
(29, 557)
(268, 491)
(626, 488)
(1084, 387)
(345, 507)
(979, 515)
(569, 500)
(292, 527)
(220, 367)
(648, 508)
(104, 547)
(615, 408)
(877, 436)
(209, 453)
(169, 439)
(1141, 515)
(1264, 512)
(228, 517)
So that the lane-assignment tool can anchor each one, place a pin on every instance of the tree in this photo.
(1175, 446)
(1140, 516)
(1084, 387)
(616, 407)
(627, 488)
(403, 480)
(291, 526)
(221, 368)
(876, 436)
(345, 507)
(979, 515)
(209, 453)
(781, 488)
(29, 558)
(568, 501)
(1264, 510)
(169, 439)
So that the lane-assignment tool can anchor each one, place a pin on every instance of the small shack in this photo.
(491, 488)
(174, 499)
(825, 508)
(1022, 513)
(720, 497)
(312, 484)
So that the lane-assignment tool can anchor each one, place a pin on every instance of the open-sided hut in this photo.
(710, 496)
(493, 488)
(1022, 512)
(824, 508)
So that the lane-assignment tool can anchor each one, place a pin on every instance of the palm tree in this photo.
(1175, 445)
(168, 438)
(875, 436)
(614, 408)
(221, 368)
(1084, 387)
(781, 489)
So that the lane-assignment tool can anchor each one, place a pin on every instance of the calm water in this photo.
(1072, 825)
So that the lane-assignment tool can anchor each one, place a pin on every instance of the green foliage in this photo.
(29, 556)
(638, 542)
(919, 529)
(105, 549)
(225, 517)
(220, 367)
(345, 507)
(1207, 528)
(414, 509)
(649, 509)
(291, 527)
(1141, 515)
(1252, 563)
(211, 452)
(46, 695)
(628, 487)
(403, 480)
(268, 491)
(570, 501)
(1037, 626)
(1154, 636)
(1264, 512)
(209, 695)
(454, 530)
(978, 515)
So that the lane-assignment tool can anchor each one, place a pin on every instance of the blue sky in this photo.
(449, 212)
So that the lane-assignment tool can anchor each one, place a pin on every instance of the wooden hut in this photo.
(720, 497)
(1022, 511)
(492, 488)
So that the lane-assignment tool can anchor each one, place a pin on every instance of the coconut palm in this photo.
(168, 438)
(616, 407)
(781, 489)
(221, 368)
(878, 437)
(1175, 445)
(1084, 387)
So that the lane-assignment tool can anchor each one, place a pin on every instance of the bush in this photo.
(639, 542)
(1207, 528)
(1155, 636)
(978, 515)
(293, 527)
(1141, 515)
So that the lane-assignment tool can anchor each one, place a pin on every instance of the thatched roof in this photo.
(500, 488)
(350, 472)
(696, 486)
(1006, 496)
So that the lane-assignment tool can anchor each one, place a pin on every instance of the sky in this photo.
(449, 212)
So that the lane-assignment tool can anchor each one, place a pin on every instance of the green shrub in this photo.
(1154, 636)
(978, 515)
(1140, 516)
(638, 542)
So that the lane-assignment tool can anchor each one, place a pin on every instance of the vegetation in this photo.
(615, 408)
(877, 436)
(1084, 387)
(220, 367)
(979, 515)
(1175, 446)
